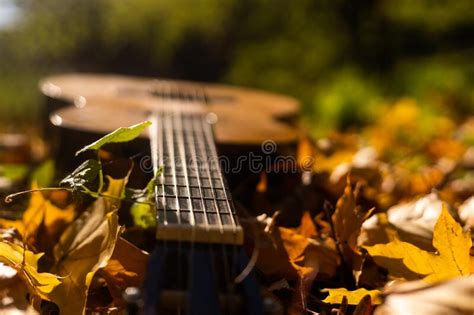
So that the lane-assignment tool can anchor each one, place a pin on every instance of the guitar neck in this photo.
(192, 197)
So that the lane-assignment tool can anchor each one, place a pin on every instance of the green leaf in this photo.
(143, 215)
(43, 175)
(82, 175)
(13, 172)
(150, 188)
(122, 134)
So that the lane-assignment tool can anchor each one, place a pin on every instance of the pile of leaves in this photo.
(376, 221)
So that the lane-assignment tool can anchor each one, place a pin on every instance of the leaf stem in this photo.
(10, 197)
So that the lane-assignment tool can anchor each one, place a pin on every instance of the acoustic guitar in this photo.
(198, 265)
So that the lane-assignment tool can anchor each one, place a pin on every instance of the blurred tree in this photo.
(345, 60)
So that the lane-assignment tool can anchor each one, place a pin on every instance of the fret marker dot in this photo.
(211, 118)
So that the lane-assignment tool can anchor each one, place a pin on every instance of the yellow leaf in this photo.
(26, 263)
(353, 297)
(85, 246)
(40, 210)
(452, 258)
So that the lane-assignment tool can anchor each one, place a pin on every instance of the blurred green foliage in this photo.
(345, 60)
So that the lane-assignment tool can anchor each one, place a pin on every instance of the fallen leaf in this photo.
(26, 264)
(365, 306)
(307, 227)
(348, 218)
(85, 246)
(377, 230)
(420, 298)
(452, 258)
(285, 253)
(417, 218)
(353, 297)
(126, 268)
(466, 212)
(41, 211)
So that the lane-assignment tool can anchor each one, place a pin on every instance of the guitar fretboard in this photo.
(192, 196)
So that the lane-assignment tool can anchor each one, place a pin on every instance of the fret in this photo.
(223, 183)
(191, 193)
(202, 148)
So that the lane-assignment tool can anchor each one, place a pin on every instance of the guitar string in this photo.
(211, 144)
(204, 131)
(170, 143)
(157, 152)
(191, 138)
(202, 148)
(182, 148)
(173, 128)
(184, 165)
(210, 178)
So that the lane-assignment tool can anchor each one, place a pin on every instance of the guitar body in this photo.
(245, 116)
(199, 239)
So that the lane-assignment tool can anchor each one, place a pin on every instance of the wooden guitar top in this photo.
(106, 102)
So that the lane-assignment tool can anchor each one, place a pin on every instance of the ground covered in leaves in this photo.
(375, 221)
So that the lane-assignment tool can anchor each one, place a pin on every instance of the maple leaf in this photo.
(348, 218)
(295, 254)
(307, 227)
(26, 264)
(452, 258)
(40, 211)
(126, 268)
(85, 246)
(284, 252)
(353, 297)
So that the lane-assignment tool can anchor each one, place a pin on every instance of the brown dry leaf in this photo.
(304, 252)
(41, 211)
(452, 258)
(347, 221)
(307, 227)
(288, 253)
(126, 268)
(348, 218)
(85, 246)
(377, 230)
(454, 297)
(365, 306)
